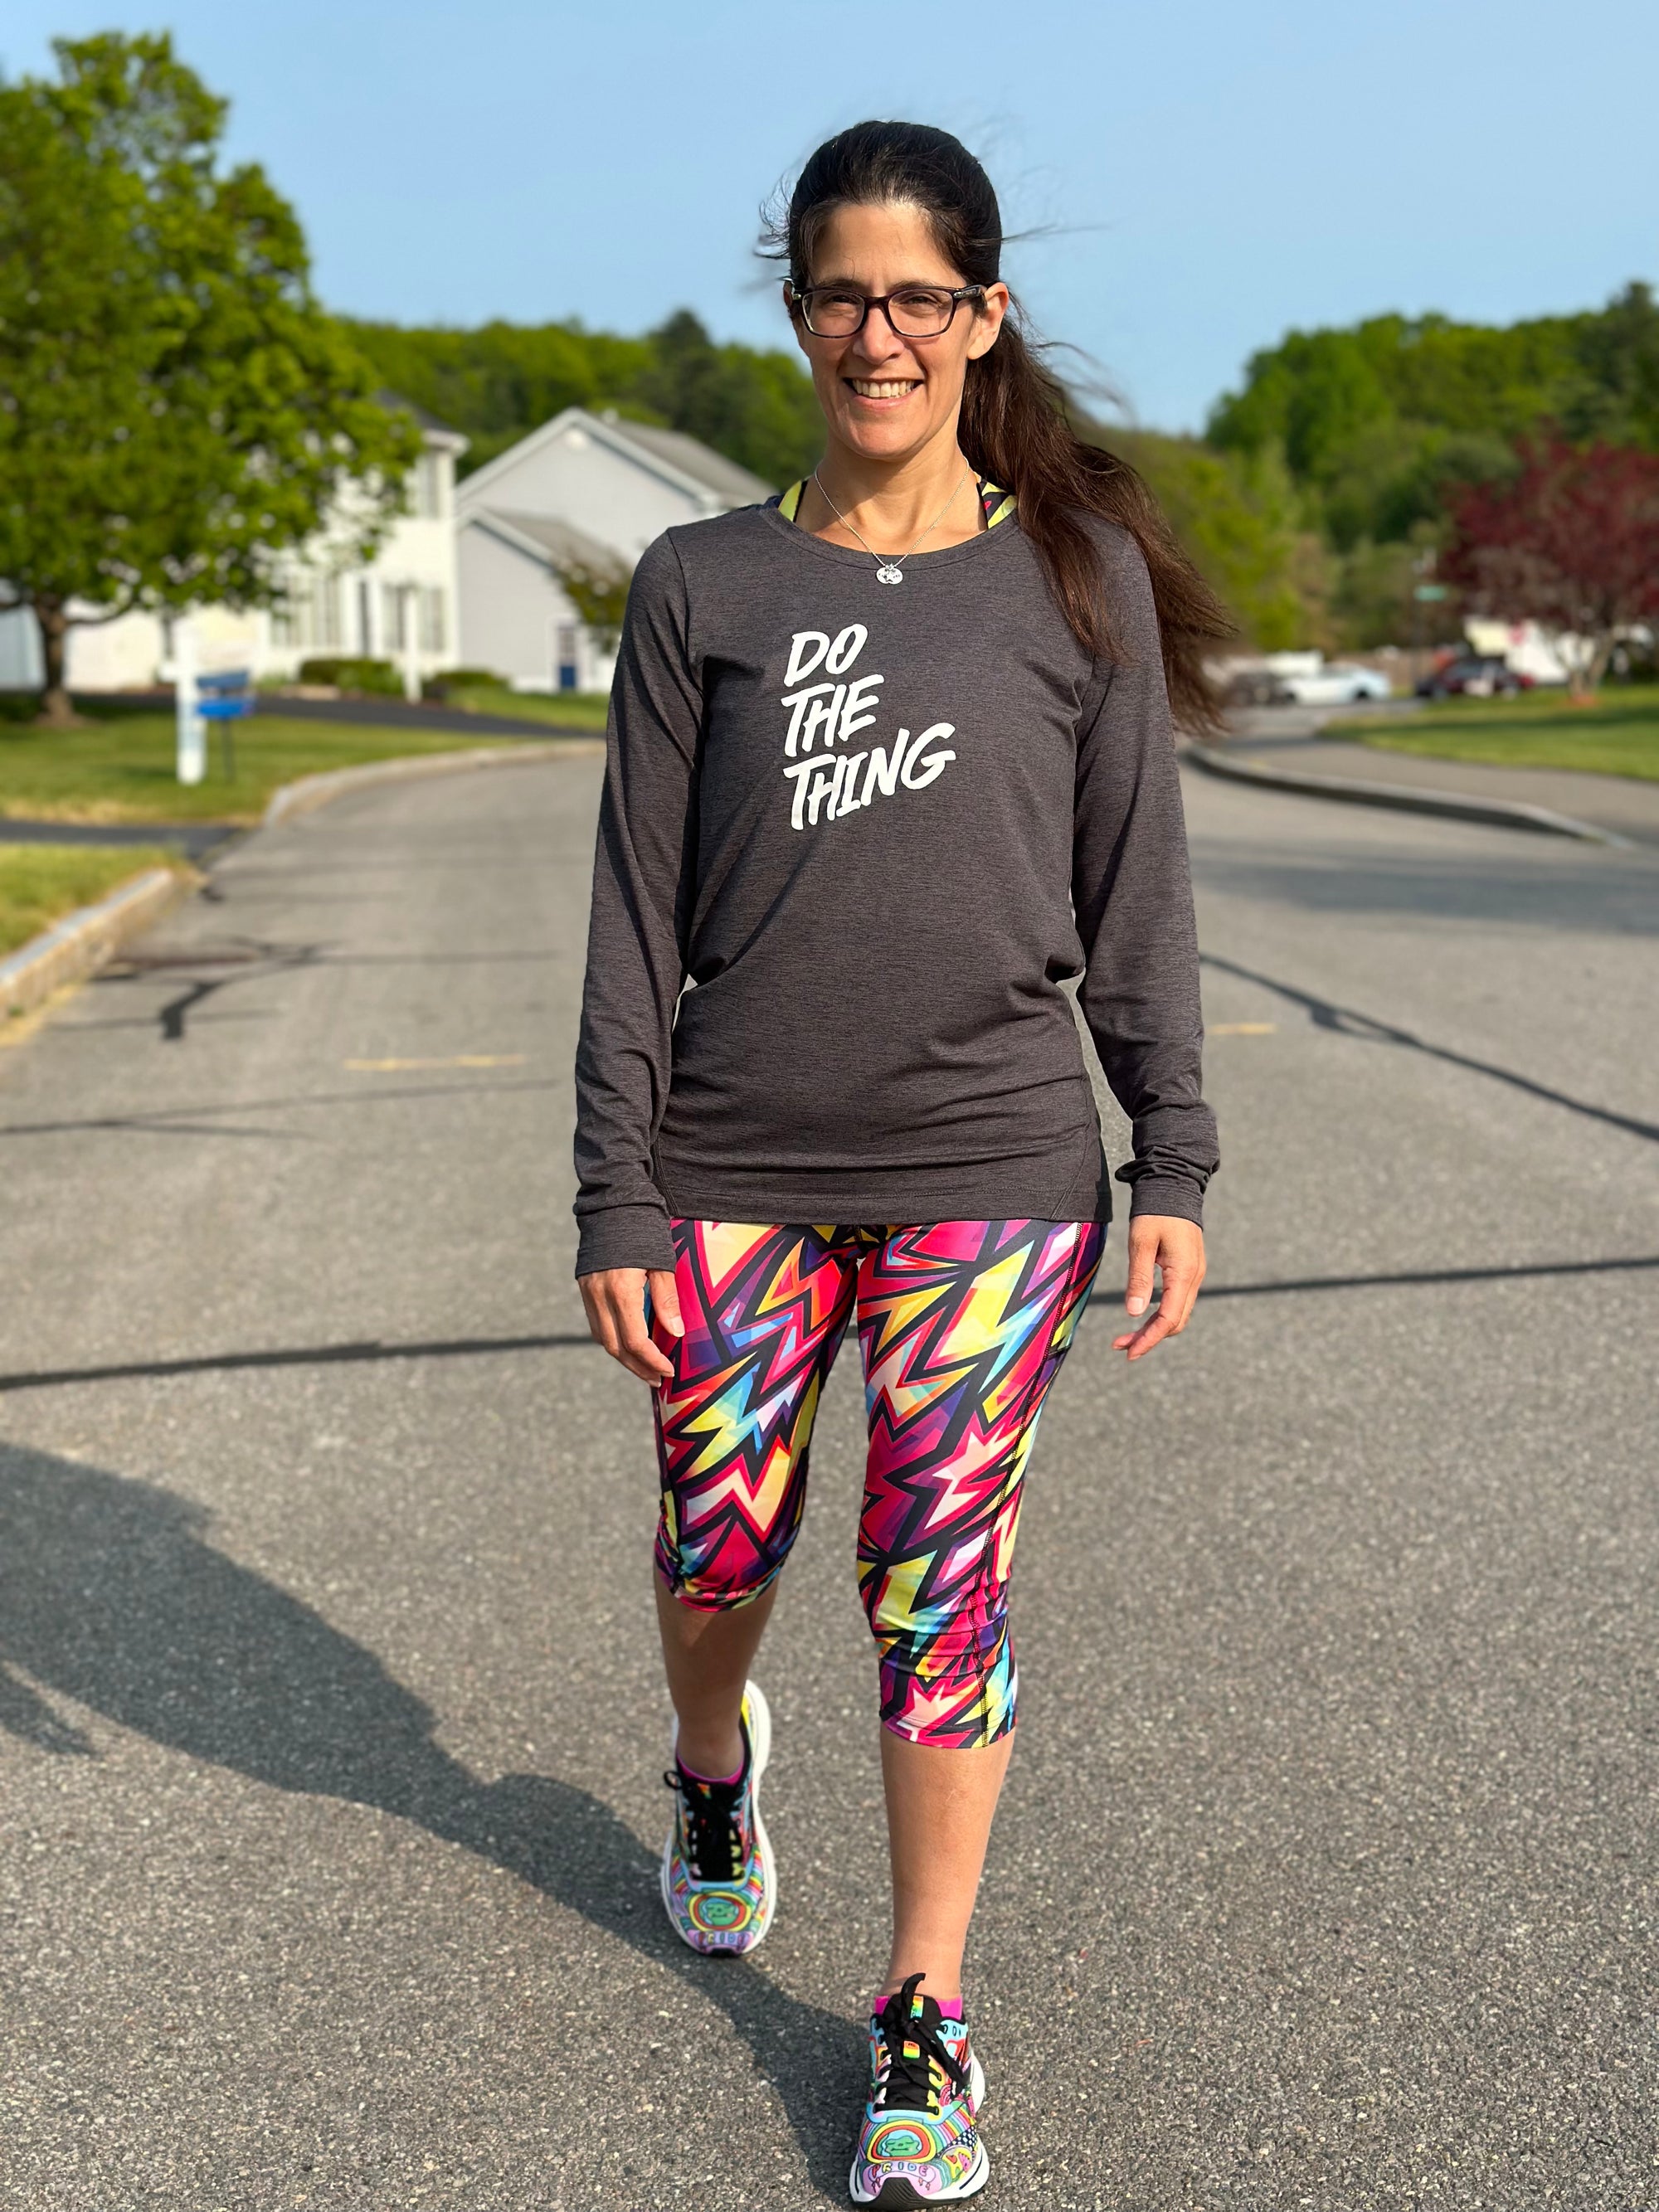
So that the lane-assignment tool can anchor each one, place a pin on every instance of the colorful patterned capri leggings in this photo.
(962, 1326)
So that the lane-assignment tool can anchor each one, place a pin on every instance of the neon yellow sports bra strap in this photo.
(998, 504)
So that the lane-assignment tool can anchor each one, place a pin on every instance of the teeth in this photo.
(867, 390)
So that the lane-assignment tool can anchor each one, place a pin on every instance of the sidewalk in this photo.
(1290, 738)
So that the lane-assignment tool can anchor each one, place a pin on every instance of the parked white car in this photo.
(1341, 684)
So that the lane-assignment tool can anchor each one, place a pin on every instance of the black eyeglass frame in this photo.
(883, 300)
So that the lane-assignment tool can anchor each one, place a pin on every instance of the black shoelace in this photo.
(714, 1837)
(907, 2084)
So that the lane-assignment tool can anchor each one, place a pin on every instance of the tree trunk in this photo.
(56, 710)
(1589, 666)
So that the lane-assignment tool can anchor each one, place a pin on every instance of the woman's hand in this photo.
(615, 1299)
(1175, 1248)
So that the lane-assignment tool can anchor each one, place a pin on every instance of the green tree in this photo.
(175, 409)
(1382, 424)
(503, 380)
(1240, 520)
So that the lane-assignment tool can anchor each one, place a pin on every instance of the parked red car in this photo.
(1474, 676)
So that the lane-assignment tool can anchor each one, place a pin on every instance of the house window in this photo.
(434, 629)
(365, 618)
(391, 618)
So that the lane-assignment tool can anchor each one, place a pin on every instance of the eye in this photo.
(921, 311)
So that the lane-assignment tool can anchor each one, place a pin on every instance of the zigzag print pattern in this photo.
(962, 1327)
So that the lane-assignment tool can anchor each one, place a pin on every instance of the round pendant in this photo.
(887, 573)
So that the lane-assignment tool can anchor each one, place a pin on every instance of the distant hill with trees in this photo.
(502, 379)
(1313, 492)
(1380, 428)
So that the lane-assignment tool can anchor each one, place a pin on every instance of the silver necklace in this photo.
(888, 570)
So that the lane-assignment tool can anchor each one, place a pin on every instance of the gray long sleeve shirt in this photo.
(874, 827)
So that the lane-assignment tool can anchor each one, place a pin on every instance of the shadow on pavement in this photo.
(374, 1350)
(109, 1595)
(1324, 1014)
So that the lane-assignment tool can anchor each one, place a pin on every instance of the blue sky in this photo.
(1217, 172)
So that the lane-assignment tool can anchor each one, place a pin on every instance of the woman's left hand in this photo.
(1175, 1249)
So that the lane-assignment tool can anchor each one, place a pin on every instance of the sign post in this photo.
(193, 735)
(226, 698)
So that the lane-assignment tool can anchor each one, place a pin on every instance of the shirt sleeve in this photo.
(643, 870)
(1131, 892)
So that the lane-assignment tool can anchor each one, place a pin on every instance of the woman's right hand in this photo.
(615, 1299)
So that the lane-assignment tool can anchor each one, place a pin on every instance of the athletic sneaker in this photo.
(920, 2141)
(719, 1887)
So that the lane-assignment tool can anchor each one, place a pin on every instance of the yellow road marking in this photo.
(1242, 1028)
(457, 1059)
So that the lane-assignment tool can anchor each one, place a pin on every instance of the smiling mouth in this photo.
(884, 387)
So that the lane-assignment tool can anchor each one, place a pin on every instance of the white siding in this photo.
(578, 478)
(20, 652)
(512, 606)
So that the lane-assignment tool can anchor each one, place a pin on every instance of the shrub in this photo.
(347, 674)
(449, 681)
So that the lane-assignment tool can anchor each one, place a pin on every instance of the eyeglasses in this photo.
(916, 311)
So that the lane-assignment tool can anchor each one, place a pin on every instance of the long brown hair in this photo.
(1015, 425)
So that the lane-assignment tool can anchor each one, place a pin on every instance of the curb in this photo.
(83, 941)
(1407, 797)
(310, 792)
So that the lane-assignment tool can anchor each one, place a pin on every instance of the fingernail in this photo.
(1136, 1305)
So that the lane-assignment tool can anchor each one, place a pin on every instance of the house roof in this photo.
(563, 544)
(732, 481)
(440, 432)
(671, 454)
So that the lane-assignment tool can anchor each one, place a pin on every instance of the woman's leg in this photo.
(964, 1326)
(764, 1308)
(939, 1807)
(707, 1658)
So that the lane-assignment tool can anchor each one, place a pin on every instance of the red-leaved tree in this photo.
(1572, 542)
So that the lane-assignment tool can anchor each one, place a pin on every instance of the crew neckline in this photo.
(969, 548)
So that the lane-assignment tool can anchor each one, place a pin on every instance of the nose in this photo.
(879, 342)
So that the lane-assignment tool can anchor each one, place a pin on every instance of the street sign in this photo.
(1432, 591)
(225, 696)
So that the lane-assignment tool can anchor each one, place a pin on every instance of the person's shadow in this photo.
(110, 1594)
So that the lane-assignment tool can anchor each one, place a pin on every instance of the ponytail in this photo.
(1016, 424)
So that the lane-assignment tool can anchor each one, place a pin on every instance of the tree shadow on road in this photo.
(110, 1595)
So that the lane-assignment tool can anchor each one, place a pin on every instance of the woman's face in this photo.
(884, 396)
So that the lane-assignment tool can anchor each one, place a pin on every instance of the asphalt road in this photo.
(330, 1724)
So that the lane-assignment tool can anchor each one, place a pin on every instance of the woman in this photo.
(888, 760)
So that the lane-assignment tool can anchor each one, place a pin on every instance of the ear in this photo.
(987, 323)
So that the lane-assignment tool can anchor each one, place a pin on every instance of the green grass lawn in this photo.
(1616, 734)
(121, 768)
(583, 710)
(41, 883)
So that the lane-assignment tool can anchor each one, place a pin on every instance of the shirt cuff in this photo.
(625, 1236)
(1172, 1194)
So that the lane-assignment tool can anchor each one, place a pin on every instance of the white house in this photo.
(402, 606)
(587, 492)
